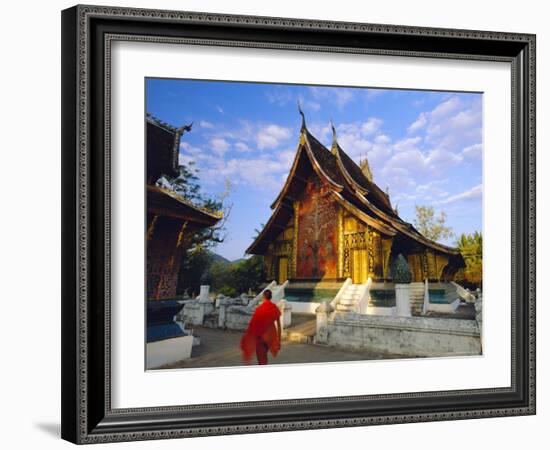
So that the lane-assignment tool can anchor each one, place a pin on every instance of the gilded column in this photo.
(386, 252)
(340, 242)
(294, 259)
(370, 250)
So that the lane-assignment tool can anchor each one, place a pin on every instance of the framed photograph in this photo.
(280, 224)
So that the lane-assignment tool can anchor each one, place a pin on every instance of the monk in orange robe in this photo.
(263, 334)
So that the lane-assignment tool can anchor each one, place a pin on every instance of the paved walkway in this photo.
(220, 348)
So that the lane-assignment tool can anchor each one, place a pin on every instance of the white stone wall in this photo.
(407, 336)
(237, 317)
(168, 351)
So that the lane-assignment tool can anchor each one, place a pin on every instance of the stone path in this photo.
(220, 348)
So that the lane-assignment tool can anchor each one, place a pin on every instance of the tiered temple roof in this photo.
(350, 186)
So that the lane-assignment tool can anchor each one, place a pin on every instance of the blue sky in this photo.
(425, 147)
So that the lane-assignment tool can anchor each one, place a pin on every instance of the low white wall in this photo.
(407, 336)
(168, 351)
(444, 307)
(382, 311)
(303, 307)
(237, 317)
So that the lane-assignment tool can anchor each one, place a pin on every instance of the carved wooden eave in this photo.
(164, 202)
(364, 217)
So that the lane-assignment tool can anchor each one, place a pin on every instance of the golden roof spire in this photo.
(302, 114)
(365, 168)
(334, 147)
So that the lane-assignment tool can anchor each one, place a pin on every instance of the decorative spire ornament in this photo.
(334, 147)
(302, 114)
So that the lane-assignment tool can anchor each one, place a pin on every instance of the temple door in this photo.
(282, 273)
(359, 267)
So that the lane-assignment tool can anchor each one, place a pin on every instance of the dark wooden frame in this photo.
(87, 32)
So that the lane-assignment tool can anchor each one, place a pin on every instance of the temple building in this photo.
(331, 222)
(169, 215)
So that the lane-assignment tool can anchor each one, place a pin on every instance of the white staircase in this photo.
(277, 293)
(350, 298)
(417, 297)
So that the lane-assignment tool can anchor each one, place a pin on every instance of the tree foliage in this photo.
(197, 243)
(430, 226)
(471, 249)
(233, 279)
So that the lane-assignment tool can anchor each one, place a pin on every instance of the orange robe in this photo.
(262, 325)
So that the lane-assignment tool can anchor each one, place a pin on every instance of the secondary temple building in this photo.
(331, 222)
(169, 215)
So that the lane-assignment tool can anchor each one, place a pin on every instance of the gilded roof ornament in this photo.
(365, 168)
(334, 147)
(303, 115)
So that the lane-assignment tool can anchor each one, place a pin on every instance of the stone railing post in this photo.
(479, 312)
(403, 300)
(322, 312)
(286, 313)
(205, 304)
(224, 303)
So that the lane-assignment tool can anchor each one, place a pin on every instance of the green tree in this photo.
(235, 278)
(430, 226)
(471, 249)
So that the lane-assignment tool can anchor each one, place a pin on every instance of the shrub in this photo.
(400, 270)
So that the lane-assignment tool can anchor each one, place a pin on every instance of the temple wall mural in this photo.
(317, 233)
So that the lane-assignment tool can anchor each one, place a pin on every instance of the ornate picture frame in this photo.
(88, 33)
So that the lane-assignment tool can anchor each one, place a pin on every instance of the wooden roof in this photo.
(167, 203)
(350, 187)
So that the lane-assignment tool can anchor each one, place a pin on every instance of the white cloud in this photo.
(473, 151)
(219, 146)
(266, 173)
(382, 139)
(321, 131)
(339, 97)
(471, 194)
(445, 108)
(279, 96)
(418, 124)
(373, 93)
(440, 159)
(271, 136)
(453, 123)
(343, 97)
(371, 126)
(220, 109)
(407, 144)
(242, 147)
(185, 148)
(205, 124)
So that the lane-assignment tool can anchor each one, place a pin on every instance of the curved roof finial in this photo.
(302, 114)
(334, 138)
(185, 128)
